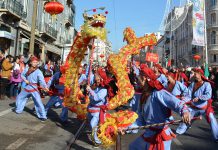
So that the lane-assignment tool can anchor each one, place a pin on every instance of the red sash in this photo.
(102, 111)
(34, 89)
(156, 141)
(208, 109)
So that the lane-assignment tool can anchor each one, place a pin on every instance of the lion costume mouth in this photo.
(98, 23)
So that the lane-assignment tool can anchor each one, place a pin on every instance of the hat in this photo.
(151, 78)
(201, 72)
(105, 82)
(103, 75)
(148, 72)
(160, 69)
(34, 58)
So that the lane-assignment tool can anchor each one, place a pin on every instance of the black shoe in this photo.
(42, 119)
(96, 145)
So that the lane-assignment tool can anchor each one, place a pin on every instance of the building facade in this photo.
(52, 35)
(101, 52)
(212, 31)
(180, 49)
(159, 49)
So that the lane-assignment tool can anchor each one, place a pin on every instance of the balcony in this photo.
(48, 32)
(213, 47)
(68, 41)
(12, 9)
(212, 25)
(69, 21)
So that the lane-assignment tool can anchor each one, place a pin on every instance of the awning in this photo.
(27, 35)
(7, 35)
(48, 47)
(53, 49)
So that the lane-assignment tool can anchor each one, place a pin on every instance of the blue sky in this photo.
(144, 16)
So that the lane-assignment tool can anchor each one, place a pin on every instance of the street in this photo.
(25, 132)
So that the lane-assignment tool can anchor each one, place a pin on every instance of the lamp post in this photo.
(32, 35)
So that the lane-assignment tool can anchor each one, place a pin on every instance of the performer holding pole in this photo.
(32, 77)
(201, 103)
(156, 110)
(56, 84)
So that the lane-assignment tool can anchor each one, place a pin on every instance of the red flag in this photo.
(169, 63)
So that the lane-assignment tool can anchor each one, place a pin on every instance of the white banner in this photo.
(198, 22)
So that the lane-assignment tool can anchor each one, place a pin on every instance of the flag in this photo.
(206, 71)
(169, 63)
(198, 22)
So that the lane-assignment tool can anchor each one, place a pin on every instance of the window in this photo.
(213, 37)
(25, 5)
(214, 58)
(213, 19)
(213, 3)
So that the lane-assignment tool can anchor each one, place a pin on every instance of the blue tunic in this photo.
(204, 93)
(156, 110)
(31, 90)
(55, 99)
(157, 106)
(55, 80)
(46, 68)
(181, 90)
(34, 78)
(97, 98)
(82, 78)
(163, 80)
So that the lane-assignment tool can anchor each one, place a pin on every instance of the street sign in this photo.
(152, 57)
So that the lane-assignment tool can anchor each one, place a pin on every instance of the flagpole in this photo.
(205, 38)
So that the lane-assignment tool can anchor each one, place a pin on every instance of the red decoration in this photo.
(152, 57)
(106, 12)
(101, 55)
(196, 57)
(54, 8)
(94, 10)
(169, 63)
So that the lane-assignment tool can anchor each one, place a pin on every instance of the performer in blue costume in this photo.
(134, 103)
(32, 77)
(155, 110)
(56, 84)
(201, 103)
(177, 88)
(97, 105)
(158, 70)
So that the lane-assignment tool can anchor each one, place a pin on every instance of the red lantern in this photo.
(94, 10)
(196, 57)
(54, 8)
(101, 55)
(106, 12)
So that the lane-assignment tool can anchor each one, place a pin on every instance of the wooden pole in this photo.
(32, 36)
(43, 53)
(91, 60)
(118, 142)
